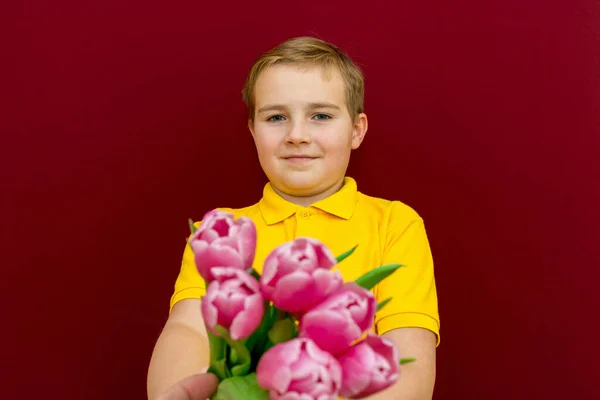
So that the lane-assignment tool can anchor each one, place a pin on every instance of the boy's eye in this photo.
(322, 117)
(276, 118)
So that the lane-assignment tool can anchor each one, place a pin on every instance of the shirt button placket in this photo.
(303, 218)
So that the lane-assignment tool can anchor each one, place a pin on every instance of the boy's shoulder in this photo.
(394, 210)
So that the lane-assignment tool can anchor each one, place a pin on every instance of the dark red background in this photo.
(123, 119)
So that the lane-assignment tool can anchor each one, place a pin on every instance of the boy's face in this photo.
(302, 129)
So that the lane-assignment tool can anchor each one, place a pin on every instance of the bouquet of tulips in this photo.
(296, 331)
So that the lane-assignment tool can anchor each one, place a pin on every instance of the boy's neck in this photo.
(306, 201)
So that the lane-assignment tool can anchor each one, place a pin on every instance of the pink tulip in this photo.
(233, 300)
(369, 367)
(297, 275)
(341, 319)
(299, 370)
(223, 241)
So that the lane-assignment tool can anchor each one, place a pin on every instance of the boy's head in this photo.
(306, 114)
(309, 51)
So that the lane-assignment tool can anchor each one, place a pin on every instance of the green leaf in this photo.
(342, 256)
(191, 225)
(282, 331)
(240, 387)
(373, 277)
(383, 303)
(407, 360)
(242, 358)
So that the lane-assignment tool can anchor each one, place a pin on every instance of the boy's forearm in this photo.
(179, 352)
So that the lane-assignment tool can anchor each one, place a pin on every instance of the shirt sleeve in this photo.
(189, 283)
(412, 287)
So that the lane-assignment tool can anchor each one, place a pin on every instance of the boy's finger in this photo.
(196, 387)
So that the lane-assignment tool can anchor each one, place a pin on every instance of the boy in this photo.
(305, 100)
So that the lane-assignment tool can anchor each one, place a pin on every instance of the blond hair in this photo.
(309, 51)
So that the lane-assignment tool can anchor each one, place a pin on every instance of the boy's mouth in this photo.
(298, 158)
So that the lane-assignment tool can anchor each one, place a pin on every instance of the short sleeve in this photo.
(412, 287)
(189, 283)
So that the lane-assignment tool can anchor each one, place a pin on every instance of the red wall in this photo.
(123, 118)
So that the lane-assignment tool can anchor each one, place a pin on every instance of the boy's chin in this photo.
(299, 189)
(303, 187)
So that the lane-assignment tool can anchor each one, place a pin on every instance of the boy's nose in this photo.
(297, 134)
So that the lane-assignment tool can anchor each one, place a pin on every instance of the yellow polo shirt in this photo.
(386, 232)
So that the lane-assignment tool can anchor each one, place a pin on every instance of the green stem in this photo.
(218, 355)
(242, 355)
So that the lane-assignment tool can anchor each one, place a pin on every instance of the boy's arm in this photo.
(181, 349)
(411, 319)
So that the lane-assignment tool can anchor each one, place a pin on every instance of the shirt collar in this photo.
(275, 208)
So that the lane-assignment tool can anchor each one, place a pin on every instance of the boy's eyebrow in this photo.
(324, 105)
(270, 107)
(276, 107)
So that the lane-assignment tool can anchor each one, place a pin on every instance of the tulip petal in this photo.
(316, 353)
(369, 367)
(302, 374)
(242, 278)
(226, 256)
(270, 268)
(226, 241)
(359, 302)
(246, 321)
(387, 349)
(208, 235)
(198, 246)
(273, 370)
(290, 261)
(296, 292)
(357, 365)
(325, 257)
(209, 311)
(340, 319)
(246, 240)
(331, 330)
(327, 281)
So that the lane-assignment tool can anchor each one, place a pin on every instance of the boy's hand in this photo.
(195, 387)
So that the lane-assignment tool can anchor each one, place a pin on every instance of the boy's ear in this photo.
(361, 124)
(251, 127)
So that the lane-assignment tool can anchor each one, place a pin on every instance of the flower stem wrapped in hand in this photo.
(294, 332)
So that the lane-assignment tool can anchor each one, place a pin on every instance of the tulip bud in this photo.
(298, 369)
(222, 241)
(297, 275)
(233, 301)
(341, 319)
